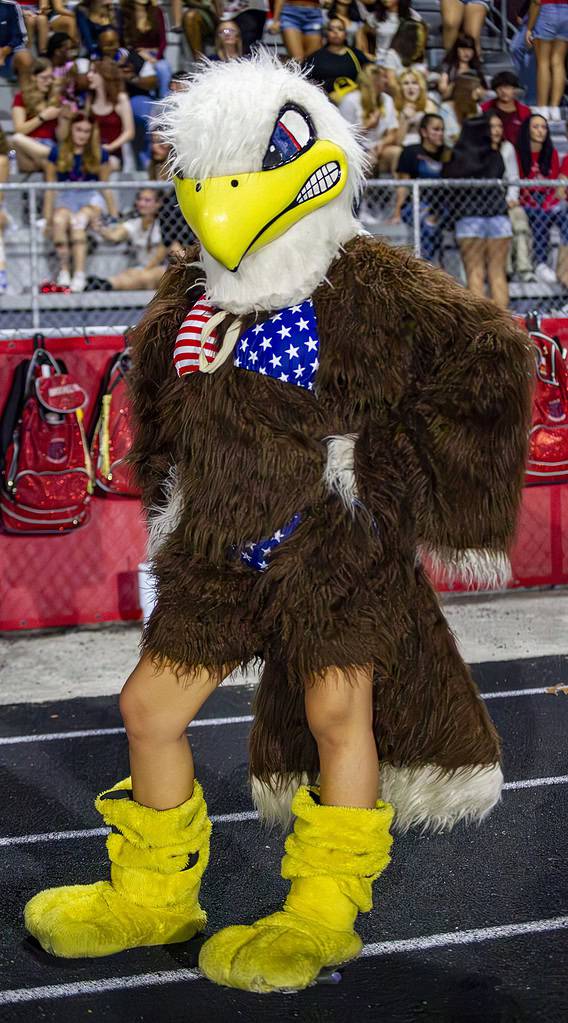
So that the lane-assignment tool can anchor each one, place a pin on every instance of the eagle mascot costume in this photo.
(317, 415)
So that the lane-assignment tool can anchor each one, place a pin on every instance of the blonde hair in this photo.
(422, 101)
(91, 157)
(34, 100)
(366, 82)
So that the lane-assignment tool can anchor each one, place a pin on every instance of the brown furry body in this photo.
(436, 384)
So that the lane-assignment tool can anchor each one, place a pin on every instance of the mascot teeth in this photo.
(319, 182)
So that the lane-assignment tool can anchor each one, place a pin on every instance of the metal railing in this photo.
(431, 221)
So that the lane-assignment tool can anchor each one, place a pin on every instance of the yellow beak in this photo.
(234, 215)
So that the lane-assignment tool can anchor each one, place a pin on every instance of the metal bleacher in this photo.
(92, 309)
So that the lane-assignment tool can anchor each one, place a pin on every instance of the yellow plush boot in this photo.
(332, 858)
(157, 858)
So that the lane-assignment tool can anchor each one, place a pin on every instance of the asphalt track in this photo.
(468, 927)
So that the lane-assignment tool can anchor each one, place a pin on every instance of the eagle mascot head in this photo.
(267, 175)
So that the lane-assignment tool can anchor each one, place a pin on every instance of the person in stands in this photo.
(482, 226)
(143, 235)
(538, 159)
(372, 112)
(143, 29)
(228, 42)
(547, 31)
(461, 59)
(336, 66)
(92, 17)
(506, 105)
(411, 103)
(301, 24)
(198, 20)
(426, 159)
(68, 213)
(520, 253)
(250, 18)
(464, 104)
(15, 59)
(110, 106)
(35, 113)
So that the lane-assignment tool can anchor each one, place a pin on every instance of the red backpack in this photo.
(112, 436)
(47, 473)
(548, 441)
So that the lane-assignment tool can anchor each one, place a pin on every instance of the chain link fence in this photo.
(509, 241)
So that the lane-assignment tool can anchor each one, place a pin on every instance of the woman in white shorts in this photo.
(547, 31)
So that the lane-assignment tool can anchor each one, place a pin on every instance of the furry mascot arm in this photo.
(153, 379)
(463, 408)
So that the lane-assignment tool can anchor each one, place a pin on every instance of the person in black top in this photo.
(482, 225)
(335, 59)
(424, 160)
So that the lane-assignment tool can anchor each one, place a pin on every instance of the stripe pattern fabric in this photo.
(188, 341)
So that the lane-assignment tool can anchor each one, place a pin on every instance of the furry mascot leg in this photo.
(157, 858)
(332, 858)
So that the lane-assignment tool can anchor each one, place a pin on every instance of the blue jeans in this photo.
(524, 62)
(164, 76)
(430, 234)
(541, 222)
(142, 110)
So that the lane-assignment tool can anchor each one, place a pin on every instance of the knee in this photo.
(145, 718)
(331, 719)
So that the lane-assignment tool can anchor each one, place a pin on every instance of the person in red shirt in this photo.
(35, 113)
(538, 159)
(508, 108)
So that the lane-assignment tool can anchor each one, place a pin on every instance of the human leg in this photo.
(31, 155)
(543, 51)
(497, 250)
(558, 71)
(192, 25)
(294, 43)
(312, 41)
(473, 19)
(163, 74)
(452, 17)
(137, 278)
(159, 847)
(473, 253)
(540, 225)
(340, 845)
(60, 232)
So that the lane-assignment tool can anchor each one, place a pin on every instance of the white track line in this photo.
(61, 836)
(381, 948)
(234, 818)
(87, 733)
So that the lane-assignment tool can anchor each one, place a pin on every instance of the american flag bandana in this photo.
(285, 347)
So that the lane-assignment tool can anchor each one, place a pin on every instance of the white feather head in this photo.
(221, 124)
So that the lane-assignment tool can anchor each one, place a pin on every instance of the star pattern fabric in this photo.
(285, 347)
(257, 555)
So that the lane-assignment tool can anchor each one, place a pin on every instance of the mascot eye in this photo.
(293, 133)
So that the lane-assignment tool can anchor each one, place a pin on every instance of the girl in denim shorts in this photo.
(547, 31)
(301, 24)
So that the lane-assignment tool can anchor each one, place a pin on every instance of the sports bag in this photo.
(548, 440)
(112, 436)
(47, 474)
(343, 85)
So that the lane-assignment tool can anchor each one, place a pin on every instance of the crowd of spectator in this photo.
(88, 76)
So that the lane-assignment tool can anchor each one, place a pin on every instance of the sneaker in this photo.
(78, 282)
(554, 114)
(545, 274)
(528, 277)
(63, 279)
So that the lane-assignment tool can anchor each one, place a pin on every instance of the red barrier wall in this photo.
(91, 575)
